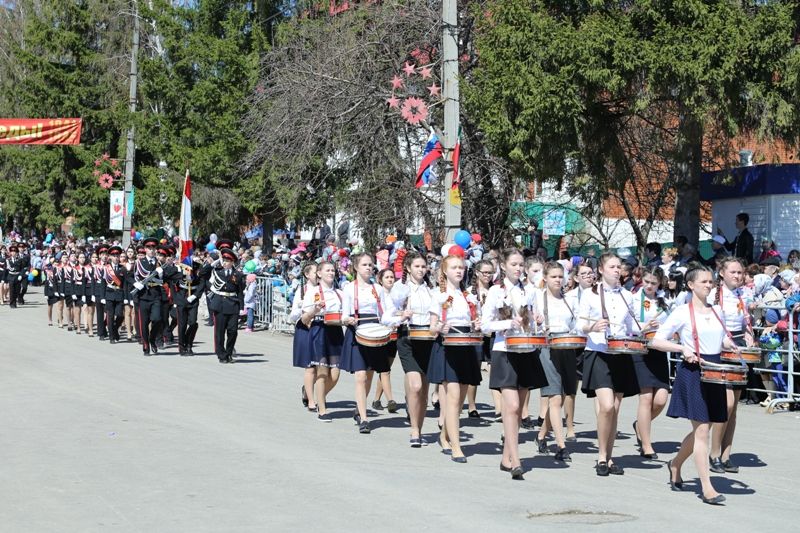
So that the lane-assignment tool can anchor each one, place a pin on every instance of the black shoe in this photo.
(229, 360)
(377, 406)
(498, 418)
(415, 442)
(474, 414)
(325, 418)
(516, 473)
(112, 341)
(601, 469)
(615, 470)
(436, 405)
(504, 468)
(364, 428)
(716, 466)
(222, 360)
(572, 439)
(461, 460)
(674, 485)
(527, 423)
(716, 500)
(303, 396)
(446, 451)
(391, 406)
(181, 350)
(189, 349)
(102, 338)
(563, 455)
(541, 445)
(154, 347)
(636, 434)
(312, 409)
(146, 350)
(730, 467)
(357, 419)
(650, 456)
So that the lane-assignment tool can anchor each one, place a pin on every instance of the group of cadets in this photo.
(99, 286)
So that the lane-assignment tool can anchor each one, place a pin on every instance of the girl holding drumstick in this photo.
(301, 347)
(703, 336)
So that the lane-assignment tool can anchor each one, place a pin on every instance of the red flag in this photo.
(427, 161)
(456, 157)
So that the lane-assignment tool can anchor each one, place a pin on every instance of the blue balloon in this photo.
(30, 276)
(138, 236)
(462, 238)
(48, 238)
(210, 247)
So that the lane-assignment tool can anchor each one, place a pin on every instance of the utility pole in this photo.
(130, 147)
(452, 199)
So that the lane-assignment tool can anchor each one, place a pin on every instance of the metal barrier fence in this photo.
(791, 364)
(272, 304)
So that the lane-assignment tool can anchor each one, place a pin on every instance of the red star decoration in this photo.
(425, 73)
(397, 82)
(409, 69)
(414, 110)
(393, 102)
(435, 90)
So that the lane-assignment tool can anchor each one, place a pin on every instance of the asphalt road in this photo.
(100, 438)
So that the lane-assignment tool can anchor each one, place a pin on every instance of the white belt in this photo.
(228, 294)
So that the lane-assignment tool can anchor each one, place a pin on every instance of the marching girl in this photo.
(734, 313)
(361, 304)
(584, 281)
(324, 341)
(69, 289)
(652, 370)
(534, 280)
(79, 292)
(482, 276)
(559, 365)
(50, 290)
(87, 308)
(386, 279)
(509, 309)
(606, 311)
(408, 306)
(301, 345)
(3, 274)
(58, 287)
(703, 337)
(456, 367)
(127, 261)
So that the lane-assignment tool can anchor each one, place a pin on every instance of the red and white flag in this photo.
(185, 232)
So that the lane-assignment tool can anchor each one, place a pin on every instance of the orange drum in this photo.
(626, 345)
(373, 335)
(748, 355)
(524, 342)
(420, 333)
(333, 318)
(393, 335)
(723, 374)
(455, 338)
(649, 334)
(566, 341)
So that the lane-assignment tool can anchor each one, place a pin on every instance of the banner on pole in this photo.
(117, 210)
(555, 222)
(40, 131)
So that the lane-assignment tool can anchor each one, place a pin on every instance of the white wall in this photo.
(784, 222)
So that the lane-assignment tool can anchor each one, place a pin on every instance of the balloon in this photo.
(213, 237)
(30, 276)
(250, 266)
(35, 273)
(446, 249)
(462, 238)
(476, 237)
(48, 238)
(390, 239)
(210, 247)
(457, 251)
(138, 236)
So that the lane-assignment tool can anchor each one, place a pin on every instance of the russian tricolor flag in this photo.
(185, 233)
(432, 152)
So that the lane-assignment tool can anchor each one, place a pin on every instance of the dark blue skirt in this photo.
(356, 358)
(695, 400)
(301, 347)
(455, 364)
(326, 344)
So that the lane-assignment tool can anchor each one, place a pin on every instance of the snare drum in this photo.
(373, 335)
(566, 341)
(393, 336)
(723, 374)
(748, 355)
(626, 345)
(420, 333)
(454, 338)
(524, 342)
(333, 318)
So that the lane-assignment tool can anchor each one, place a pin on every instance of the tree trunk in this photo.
(688, 165)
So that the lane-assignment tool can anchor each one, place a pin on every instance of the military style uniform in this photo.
(114, 295)
(147, 299)
(226, 301)
(186, 292)
(14, 268)
(98, 290)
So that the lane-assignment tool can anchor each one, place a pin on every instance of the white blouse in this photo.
(408, 296)
(562, 313)
(618, 308)
(733, 306)
(297, 302)
(499, 296)
(710, 332)
(646, 309)
(332, 298)
(367, 303)
(458, 312)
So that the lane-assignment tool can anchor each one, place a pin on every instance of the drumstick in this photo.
(598, 320)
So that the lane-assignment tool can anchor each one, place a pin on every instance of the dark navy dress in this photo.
(696, 400)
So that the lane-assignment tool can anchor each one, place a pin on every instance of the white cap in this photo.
(719, 239)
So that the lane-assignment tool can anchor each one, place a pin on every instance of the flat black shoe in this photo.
(716, 466)
(377, 406)
(474, 414)
(364, 428)
(181, 350)
(650, 456)
(303, 396)
(615, 470)
(446, 451)
(357, 419)
(154, 347)
(146, 351)
(730, 467)
(716, 500)
(112, 341)
(504, 468)
(516, 473)
(601, 469)
(636, 434)
(325, 418)
(526, 423)
(541, 445)
(436, 405)
(189, 350)
(676, 486)
(223, 361)
(563, 455)
(461, 460)
(415, 442)
(391, 406)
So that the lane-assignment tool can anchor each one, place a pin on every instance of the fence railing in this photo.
(272, 304)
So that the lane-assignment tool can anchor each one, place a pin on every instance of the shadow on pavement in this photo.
(747, 460)
(543, 461)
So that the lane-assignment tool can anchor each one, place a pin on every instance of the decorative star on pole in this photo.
(414, 110)
(425, 73)
(409, 69)
(394, 102)
(397, 82)
(435, 90)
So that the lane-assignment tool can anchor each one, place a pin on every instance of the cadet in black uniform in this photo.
(14, 266)
(226, 302)
(148, 282)
(24, 254)
(98, 290)
(114, 292)
(186, 291)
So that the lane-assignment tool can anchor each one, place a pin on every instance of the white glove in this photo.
(191, 298)
(19, 278)
(125, 302)
(138, 285)
(93, 299)
(103, 301)
(159, 270)
(74, 297)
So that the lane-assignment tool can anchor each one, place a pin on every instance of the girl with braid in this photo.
(386, 279)
(482, 276)
(301, 347)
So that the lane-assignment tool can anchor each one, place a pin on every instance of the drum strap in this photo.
(695, 337)
(374, 293)
(748, 326)
(322, 295)
(602, 291)
(547, 314)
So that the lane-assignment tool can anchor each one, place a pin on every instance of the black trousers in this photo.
(187, 323)
(100, 317)
(114, 316)
(23, 289)
(225, 324)
(149, 321)
(14, 289)
(165, 331)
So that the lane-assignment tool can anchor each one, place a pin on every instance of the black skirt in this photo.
(415, 355)
(604, 371)
(356, 358)
(694, 399)
(652, 370)
(455, 364)
(511, 370)
(326, 344)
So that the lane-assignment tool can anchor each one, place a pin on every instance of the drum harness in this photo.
(547, 314)
(602, 291)
(696, 338)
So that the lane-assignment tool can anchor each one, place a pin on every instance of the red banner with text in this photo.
(40, 130)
